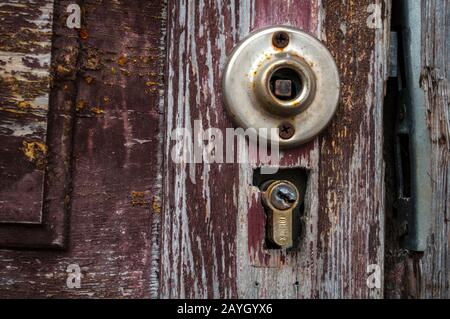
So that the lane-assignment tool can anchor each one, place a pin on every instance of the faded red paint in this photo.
(127, 245)
(257, 231)
(115, 153)
(24, 92)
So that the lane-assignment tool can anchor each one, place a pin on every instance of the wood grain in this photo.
(427, 274)
(25, 52)
(47, 151)
(205, 226)
(434, 276)
(198, 244)
(351, 182)
(117, 61)
(144, 226)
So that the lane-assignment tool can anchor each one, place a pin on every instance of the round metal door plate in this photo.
(281, 77)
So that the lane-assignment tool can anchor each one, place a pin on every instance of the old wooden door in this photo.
(92, 204)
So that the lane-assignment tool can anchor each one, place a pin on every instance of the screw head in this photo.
(286, 130)
(283, 196)
(280, 39)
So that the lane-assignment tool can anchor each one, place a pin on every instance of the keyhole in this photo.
(286, 196)
(285, 84)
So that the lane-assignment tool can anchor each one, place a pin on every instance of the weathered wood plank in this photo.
(25, 51)
(351, 182)
(115, 155)
(434, 276)
(266, 273)
(427, 274)
(198, 245)
(51, 233)
(205, 228)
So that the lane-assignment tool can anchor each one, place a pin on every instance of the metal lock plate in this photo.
(281, 77)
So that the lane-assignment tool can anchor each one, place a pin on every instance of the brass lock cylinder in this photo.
(280, 199)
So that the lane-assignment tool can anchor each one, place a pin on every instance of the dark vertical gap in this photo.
(397, 158)
(405, 165)
(390, 114)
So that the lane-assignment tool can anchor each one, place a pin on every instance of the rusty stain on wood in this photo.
(36, 152)
(52, 152)
(25, 54)
(114, 154)
(25, 51)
